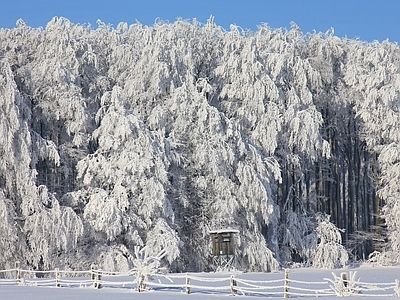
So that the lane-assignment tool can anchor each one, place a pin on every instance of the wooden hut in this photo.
(223, 248)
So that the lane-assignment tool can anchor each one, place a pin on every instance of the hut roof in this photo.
(223, 231)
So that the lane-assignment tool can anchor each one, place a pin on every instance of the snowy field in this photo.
(370, 275)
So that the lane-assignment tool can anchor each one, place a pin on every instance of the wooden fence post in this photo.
(94, 276)
(99, 278)
(286, 285)
(344, 279)
(233, 286)
(397, 288)
(17, 273)
(141, 286)
(57, 277)
(92, 267)
(187, 286)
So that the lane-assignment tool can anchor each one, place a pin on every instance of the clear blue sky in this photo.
(367, 20)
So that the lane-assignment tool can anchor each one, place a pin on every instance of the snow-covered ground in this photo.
(365, 274)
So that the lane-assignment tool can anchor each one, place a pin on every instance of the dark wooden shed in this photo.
(223, 247)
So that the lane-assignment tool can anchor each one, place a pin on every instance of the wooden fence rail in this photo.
(189, 283)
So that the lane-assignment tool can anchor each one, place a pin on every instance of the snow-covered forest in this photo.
(113, 138)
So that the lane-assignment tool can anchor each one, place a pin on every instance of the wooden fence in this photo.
(340, 286)
(284, 287)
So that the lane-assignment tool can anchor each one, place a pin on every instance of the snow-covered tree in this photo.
(389, 159)
(126, 200)
(48, 229)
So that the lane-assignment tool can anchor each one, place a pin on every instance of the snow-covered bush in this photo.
(145, 266)
(344, 285)
(329, 252)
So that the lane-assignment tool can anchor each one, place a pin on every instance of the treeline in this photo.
(151, 136)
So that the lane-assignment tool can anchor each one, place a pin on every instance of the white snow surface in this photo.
(365, 274)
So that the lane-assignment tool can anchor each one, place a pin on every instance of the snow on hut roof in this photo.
(224, 231)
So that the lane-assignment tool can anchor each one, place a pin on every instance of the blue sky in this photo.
(367, 20)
